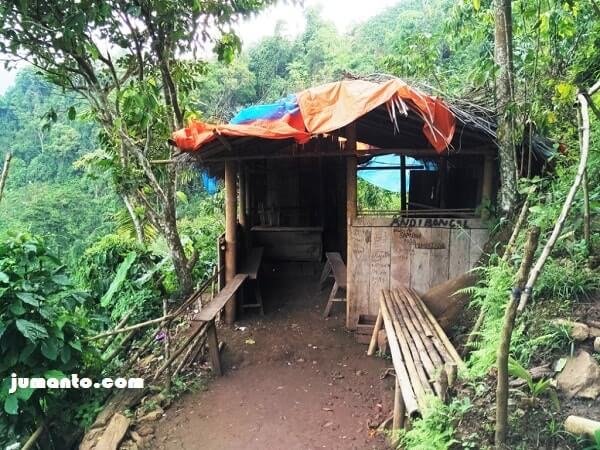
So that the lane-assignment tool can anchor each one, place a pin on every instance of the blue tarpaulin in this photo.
(272, 111)
(389, 179)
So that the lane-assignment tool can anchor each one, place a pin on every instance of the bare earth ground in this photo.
(292, 381)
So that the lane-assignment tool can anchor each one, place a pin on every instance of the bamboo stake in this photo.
(132, 327)
(185, 360)
(166, 349)
(376, 329)
(28, 445)
(438, 329)
(415, 375)
(4, 175)
(120, 346)
(505, 338)
(119, 326)
(408, 395)
(585, 145)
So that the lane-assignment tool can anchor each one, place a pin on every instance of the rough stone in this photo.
(152, 416)
(579, 331)
(597, 344)
(580, 377)
(144, 429)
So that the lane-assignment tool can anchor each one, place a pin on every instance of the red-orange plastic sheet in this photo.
(330, 107)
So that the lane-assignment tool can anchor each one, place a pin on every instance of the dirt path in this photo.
(303, 384)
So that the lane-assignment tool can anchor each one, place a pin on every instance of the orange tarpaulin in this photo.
(330, 107)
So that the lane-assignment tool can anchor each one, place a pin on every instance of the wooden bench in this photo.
(209, 314)
(251, 267)
(424, 359)
(334, 266)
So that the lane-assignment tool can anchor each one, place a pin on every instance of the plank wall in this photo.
(419, 253)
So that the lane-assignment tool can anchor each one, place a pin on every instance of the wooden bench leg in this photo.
(331, 300)
(213, 348)
(376, 328)
(324, 274)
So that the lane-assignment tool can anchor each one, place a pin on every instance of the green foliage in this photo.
(41, 326)
(436, 430)
(124, 275)
(595, 442)
(374, 198)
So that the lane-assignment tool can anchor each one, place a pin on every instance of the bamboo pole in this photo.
(132, 327)
(185, 360)
(419, 336)
(167, 344)
(230, 235)
(581, 426)
(399, 408)
(438, 329)
(416, 377)
(438, 344)
(120, 347)
(120, 325)
(376, 330)
(168, 361)
(487, 187)
(408, 394)
(585, 146)
(28, 445)
(4, 175)
(417, 348)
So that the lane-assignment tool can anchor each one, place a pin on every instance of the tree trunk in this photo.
(504, 97)
(4, 175)
(139, 229)
(180, 261)
(504, 346)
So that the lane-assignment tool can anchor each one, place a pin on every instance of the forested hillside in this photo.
(98, 229)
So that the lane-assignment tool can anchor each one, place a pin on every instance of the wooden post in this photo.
(350, 216)
(230, 234)
(242, 209)
(403, 183)
(487, 190)
(213, 348)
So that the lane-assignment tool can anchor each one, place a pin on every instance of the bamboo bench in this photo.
(334, 267)
(251, 267)
(209, 314)
(424, 359)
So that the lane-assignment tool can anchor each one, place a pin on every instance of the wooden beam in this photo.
(230, 234)
(350, 215)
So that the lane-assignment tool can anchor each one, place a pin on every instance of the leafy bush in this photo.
(435, 431)
(123, 274)
(41, 325)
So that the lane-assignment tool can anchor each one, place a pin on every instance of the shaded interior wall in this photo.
(419, 253)
(292, 201)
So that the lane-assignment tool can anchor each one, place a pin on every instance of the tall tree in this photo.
(503, 56)
(130, 60)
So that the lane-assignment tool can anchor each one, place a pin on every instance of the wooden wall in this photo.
(415, 252)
